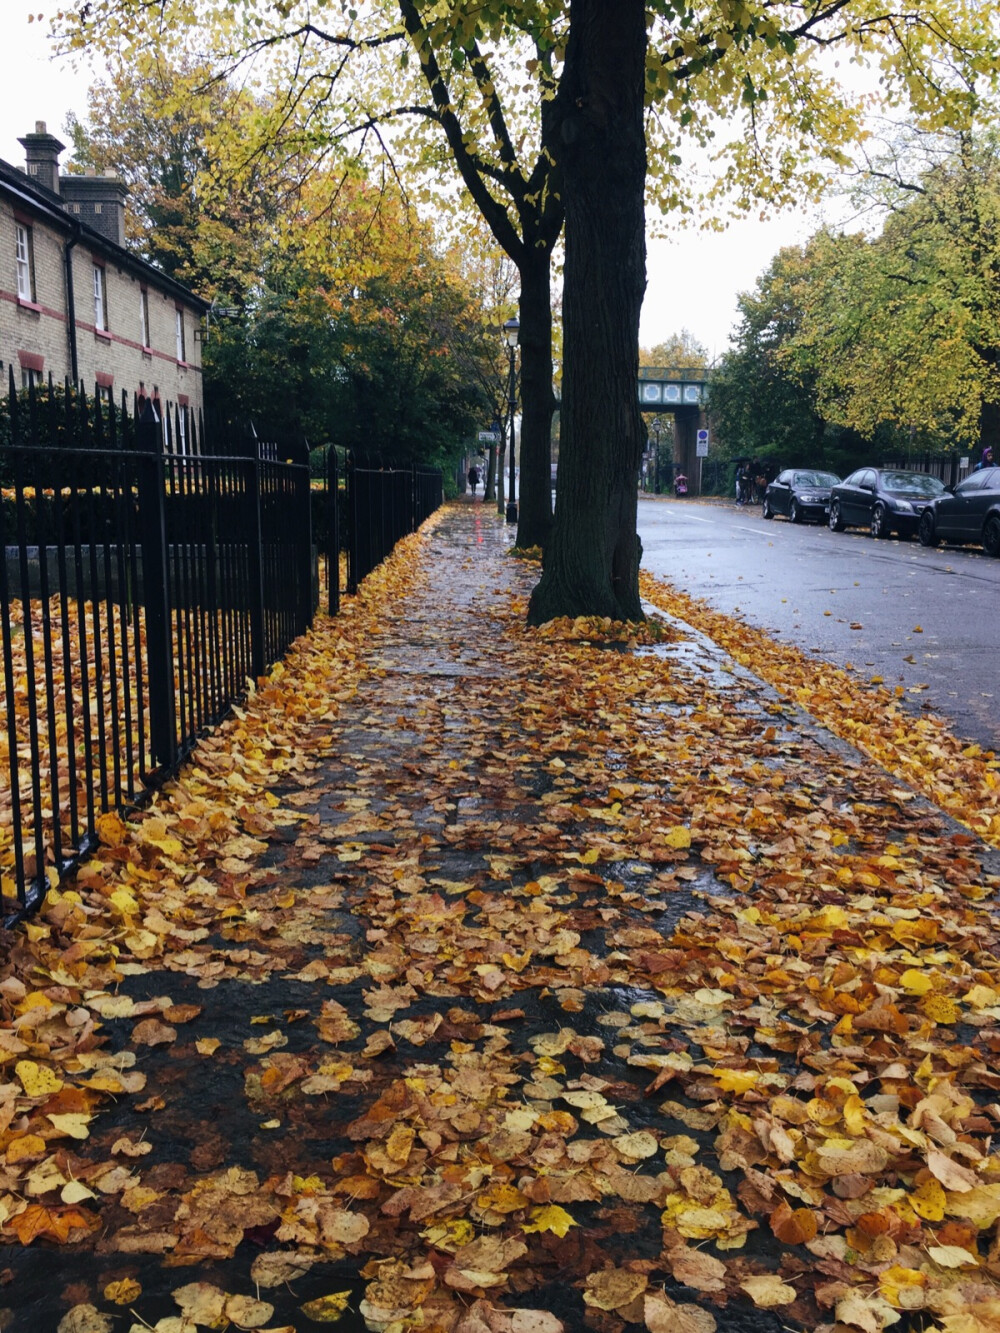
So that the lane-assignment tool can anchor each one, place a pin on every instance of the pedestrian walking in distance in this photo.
(473, 478)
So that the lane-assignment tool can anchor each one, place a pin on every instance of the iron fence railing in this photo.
(140, 587)
(148, 570)
(384, 503)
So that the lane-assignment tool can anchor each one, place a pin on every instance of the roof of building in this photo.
(15, 182)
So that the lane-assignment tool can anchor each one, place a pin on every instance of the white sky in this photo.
(693, 279)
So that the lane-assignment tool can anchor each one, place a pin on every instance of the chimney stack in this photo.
(41, 151)
(99, 201)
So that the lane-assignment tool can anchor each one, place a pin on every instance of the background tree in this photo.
(902, 331)
(352, 322)
(150, 120)
(762, 399)
(681, 350)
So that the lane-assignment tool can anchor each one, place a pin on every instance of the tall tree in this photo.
(592, 563)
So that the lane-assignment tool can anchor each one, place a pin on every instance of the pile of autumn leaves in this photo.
(861, 1136)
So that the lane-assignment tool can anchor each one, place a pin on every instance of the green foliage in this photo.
(893, 339)
(379, 364)
(763, 402)
(903, 330)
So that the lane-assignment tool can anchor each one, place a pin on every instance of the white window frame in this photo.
(100, 300)
(144, 317)
(24, 251)
(29, 377)
(179, 329)
(181, 418)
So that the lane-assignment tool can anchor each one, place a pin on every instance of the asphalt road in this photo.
(916, 617)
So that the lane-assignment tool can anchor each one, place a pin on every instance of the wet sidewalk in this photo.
(527, 982)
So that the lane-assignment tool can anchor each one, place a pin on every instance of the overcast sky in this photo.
(693, 279)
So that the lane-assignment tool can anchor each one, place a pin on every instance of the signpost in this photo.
(701, 453)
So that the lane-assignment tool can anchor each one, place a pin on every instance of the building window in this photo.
(100, 300)
(180, 335)
(182, 430)
(30, 378)
(25, 263)
(144, 317)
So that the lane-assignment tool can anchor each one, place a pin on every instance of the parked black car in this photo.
(800, 493)
(970, 514)
(883, 500)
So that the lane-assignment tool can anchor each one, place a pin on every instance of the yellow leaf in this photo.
(37, 1080)
(207, 1045)
(928, 1201)
(327, 1309)
(110, 829)
(679, 838)
(916, 983)
(768, 1290)
(124, 1292)
(550, 1218)
(952, 1256)
(72, 1126)
(736, 1080)
(75, 1192)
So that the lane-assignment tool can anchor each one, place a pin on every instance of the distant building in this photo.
(75, 303)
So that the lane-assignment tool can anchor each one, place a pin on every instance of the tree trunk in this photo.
(489, 489)
(989, 410)
(534, 516)
(592, 562)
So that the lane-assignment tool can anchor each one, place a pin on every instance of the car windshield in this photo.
(913, 483)
(814, 479)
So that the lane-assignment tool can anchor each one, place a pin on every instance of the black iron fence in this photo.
(384, 504)
(145, 578)
(148, 570)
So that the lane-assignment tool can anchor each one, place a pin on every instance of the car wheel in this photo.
(926, 533)
(794, 513)
(880, 522)
(991, 535)
(833, 520)
(767, 511)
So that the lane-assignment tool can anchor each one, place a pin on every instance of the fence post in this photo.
(155, 588)
(255, 556)
(333, 530)
(353, 524)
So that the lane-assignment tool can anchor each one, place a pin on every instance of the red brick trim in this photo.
(183, 400)
(31, 361)
(104, 379)
(14, 299)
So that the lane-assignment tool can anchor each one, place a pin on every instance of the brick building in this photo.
(75, 303)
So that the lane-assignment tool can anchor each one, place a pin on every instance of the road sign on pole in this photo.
(701, 445)
(488, 436)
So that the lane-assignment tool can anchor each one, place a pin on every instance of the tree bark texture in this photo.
(592, 561)
(989, 409)
(534, 515)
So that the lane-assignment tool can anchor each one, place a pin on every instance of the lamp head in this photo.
(511, 329)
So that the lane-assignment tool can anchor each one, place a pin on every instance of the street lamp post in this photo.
(511, 329)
